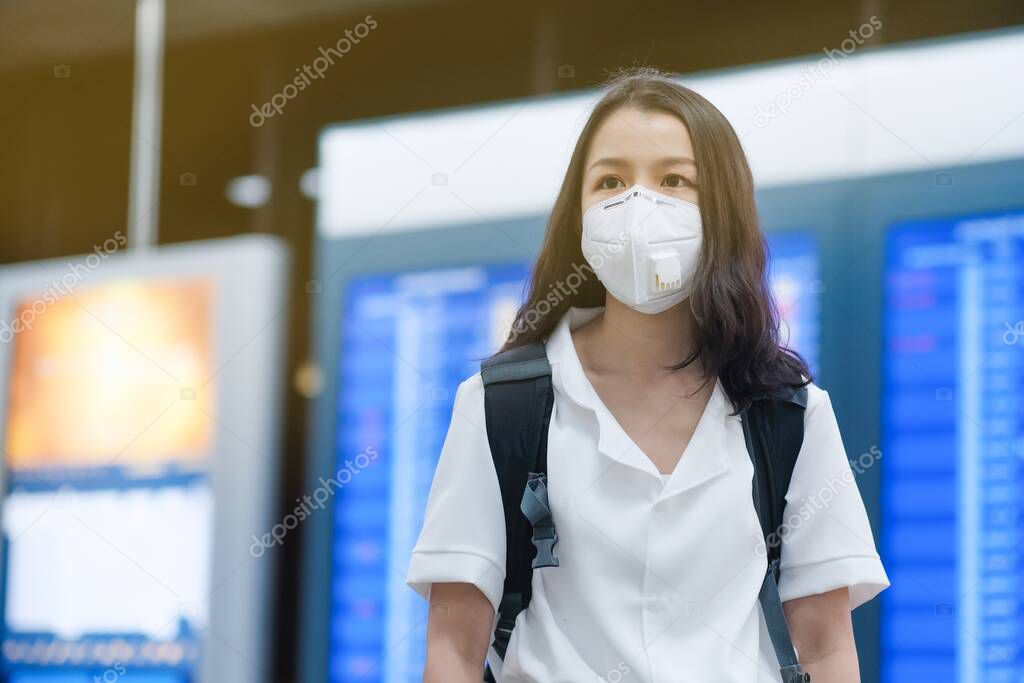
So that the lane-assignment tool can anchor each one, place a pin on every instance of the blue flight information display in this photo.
(408, 340)
(952, 446)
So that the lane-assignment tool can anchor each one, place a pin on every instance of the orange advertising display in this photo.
(120, 371)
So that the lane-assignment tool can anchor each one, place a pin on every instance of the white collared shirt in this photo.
(658, 580)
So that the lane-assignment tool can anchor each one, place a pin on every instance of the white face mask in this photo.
(644, 247)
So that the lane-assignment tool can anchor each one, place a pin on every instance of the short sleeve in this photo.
(826, 540)
(463, 534)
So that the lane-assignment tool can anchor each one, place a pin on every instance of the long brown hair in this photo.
(737, 318)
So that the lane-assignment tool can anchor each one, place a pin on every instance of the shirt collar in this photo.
(705, 456)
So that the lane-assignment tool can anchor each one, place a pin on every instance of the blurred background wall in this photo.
(65, 113)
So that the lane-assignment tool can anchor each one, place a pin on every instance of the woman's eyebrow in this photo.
(674, 161)
(609, 161)
(664, 161)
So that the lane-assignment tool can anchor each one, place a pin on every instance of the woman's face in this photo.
(635, 147)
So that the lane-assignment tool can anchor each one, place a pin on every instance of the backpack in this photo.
(518, 398)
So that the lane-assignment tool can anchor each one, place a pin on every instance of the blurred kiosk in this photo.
(139, 415)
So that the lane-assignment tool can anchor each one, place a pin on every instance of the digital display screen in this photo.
(408, 340)
(107, 511)
(952, 450)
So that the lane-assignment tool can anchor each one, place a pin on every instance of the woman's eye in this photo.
(675, 181)
(610, 183)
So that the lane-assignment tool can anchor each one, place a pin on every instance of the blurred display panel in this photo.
(107, 518)
(91, 372)
(796, 284)
(952, 447)
(408, 340)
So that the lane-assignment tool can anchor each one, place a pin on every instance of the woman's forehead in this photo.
(635, 135)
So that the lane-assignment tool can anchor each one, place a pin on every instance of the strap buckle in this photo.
(794, 674)
(536, 508)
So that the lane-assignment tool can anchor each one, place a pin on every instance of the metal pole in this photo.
(147, 95)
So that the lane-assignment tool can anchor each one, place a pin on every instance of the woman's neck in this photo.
(640, 344)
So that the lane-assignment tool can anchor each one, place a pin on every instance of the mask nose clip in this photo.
(666, 273)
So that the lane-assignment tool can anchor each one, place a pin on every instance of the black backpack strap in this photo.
(773, 427)
(518, 398)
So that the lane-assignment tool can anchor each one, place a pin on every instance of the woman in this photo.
(666, 332)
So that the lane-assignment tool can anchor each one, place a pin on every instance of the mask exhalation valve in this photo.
(666, 273)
